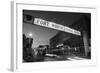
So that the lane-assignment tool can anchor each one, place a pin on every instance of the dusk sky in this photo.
(41, 35)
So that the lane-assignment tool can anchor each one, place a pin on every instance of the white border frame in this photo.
(16, 60)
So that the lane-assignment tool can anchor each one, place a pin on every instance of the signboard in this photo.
(53, 25)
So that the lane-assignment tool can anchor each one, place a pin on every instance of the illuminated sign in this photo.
(53, 25)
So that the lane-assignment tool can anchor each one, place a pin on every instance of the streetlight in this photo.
(30, 35)
(30, 39)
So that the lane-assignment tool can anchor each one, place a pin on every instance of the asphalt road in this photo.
(50, 57)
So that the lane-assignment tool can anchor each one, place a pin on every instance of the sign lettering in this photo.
(48, 24)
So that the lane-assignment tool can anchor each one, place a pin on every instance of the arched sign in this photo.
(53, 25)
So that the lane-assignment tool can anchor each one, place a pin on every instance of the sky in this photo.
(41, 35)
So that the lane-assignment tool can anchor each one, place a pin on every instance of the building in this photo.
(84, 26)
